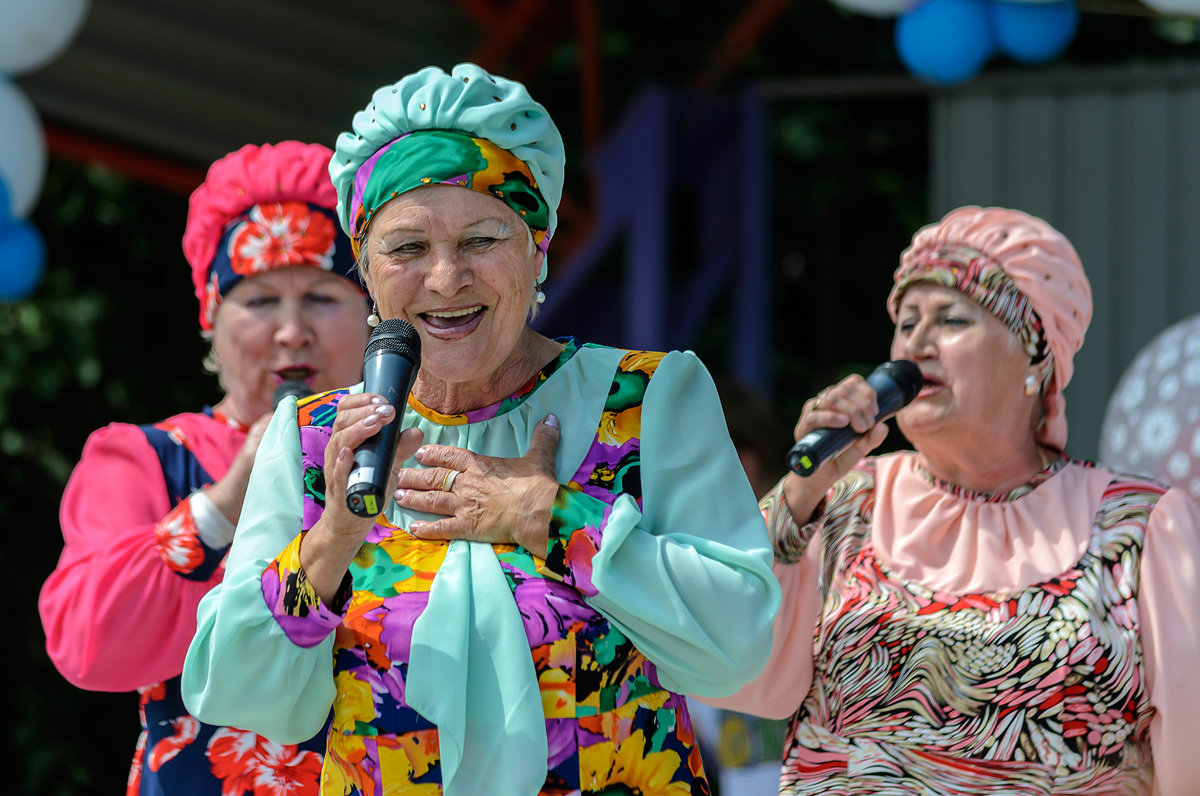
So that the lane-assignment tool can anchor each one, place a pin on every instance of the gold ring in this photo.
(448, 480)
(820, 396)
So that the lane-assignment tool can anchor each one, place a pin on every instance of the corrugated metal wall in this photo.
(1112, 159)
(193, 81)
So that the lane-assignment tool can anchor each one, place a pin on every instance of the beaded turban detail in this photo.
(261, 208)
(466, 128)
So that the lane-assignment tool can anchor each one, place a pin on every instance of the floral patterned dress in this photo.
(602, 655)
(1038, 690)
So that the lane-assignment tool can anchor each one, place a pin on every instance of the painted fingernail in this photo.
(384, 410)
(378, 400)
(370, 420)
(400, 493)
(551, 420)
(420, 454)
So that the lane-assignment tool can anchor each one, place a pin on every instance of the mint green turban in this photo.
(468, 100)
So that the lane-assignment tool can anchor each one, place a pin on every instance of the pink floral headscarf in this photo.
(260, 208)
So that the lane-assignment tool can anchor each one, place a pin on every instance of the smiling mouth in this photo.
(452, 319)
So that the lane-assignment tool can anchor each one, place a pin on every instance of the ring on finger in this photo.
(448, 480)
(820, 397)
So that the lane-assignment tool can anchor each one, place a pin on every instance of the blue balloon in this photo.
(22, 261)
(1033, 33)
(945, 42)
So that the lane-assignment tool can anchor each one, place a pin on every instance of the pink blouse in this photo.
(117, 615)
(945, 540)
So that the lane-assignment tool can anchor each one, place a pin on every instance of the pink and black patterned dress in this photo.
(1037, 690)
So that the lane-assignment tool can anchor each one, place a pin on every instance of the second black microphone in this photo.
(896, 384)
(390, 364)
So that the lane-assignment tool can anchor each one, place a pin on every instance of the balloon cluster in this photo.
(32, 33)
(945, 42)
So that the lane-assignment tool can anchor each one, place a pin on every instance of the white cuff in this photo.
(212, 526)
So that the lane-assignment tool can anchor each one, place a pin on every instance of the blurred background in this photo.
(741, 179)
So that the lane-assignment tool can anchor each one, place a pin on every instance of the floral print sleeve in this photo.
(179, 545)
(194, 537)
(789, 540)
(294, 603)
(637, 526)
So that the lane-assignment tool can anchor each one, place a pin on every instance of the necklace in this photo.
(1043, 458)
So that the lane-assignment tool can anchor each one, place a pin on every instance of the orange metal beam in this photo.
(507, 30)
(483, 12)
(171, 176)
(591, 82)
(740, 39)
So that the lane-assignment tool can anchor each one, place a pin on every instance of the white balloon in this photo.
(34, 32)
(1152, 427)
(22, 148)
(877, 8)
(1175, 8)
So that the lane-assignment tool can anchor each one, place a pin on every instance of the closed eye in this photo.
(408, 249)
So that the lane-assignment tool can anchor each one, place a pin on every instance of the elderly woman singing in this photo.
(985, 614)
(570, 544)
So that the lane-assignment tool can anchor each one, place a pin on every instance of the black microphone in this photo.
(389, 369)
(896, 384)
(290, 387)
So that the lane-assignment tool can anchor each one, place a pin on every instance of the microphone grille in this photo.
(291, 387)
(906, 374)
(398, 335)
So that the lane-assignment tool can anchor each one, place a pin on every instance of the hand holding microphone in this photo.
(895, 385)
(364, 442)
(390, 364)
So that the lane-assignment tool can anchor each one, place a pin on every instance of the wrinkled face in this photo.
(460, 267)
(289, 323)
(973, 366)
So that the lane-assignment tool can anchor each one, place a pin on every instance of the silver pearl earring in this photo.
(539, 296)
(373, 318)
(1030, 385)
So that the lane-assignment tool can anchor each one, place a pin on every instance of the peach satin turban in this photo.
(1050, 308)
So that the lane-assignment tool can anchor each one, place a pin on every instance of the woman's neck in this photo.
(986, 469)
(532, 353)
(235, 411)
